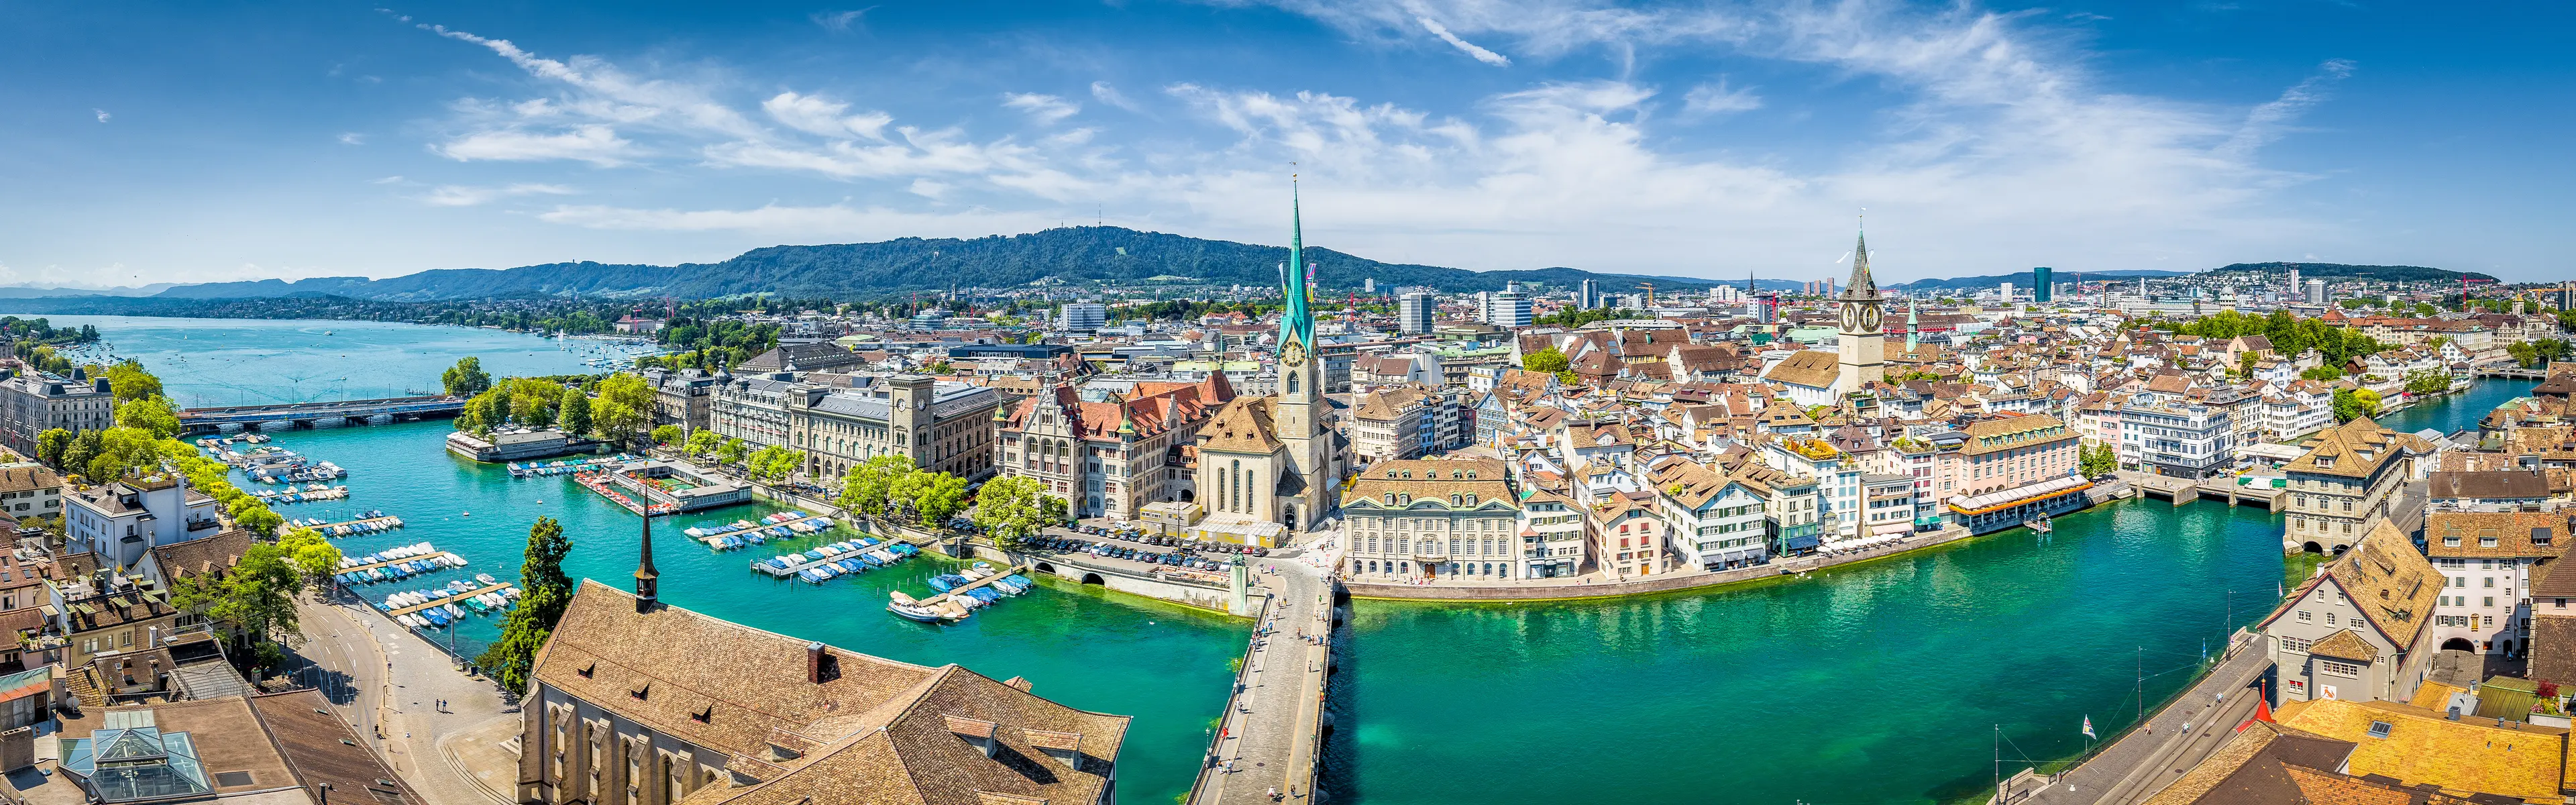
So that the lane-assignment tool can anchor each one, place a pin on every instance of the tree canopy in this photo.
(1016, 508)
(545, 591)
(466, 378)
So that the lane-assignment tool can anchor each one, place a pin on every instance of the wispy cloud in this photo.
(1470, 48)
(102, 114)
(595, 144)
(841, 22)
(352, 138)
(1714, 99)
(1102, 91)
(1047, 110)
(465, 196)
(2269, 121)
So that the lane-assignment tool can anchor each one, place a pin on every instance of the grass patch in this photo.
(2297, 568)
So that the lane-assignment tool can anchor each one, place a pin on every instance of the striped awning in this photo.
(1998, 501)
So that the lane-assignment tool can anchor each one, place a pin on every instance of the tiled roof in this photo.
(880, 731)
(1432, 480)
(212, 554)
(1810, 368)
(2471, 755)
(26, 479)
(1242, 426)
(2355, 449)
(2344, 645)
(321, 750)
(2515, 534)
(2392, 584)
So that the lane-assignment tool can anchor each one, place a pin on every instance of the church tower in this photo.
(1302, 407)
(1864, 346)
(648, 580)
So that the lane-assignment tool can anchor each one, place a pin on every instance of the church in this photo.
(1815, 378)
(1272, 467)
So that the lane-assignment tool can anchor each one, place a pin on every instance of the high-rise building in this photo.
(2567, 295)
(1084, 316)
(1485, 306)
(2316, 292)
(1368, 285)
(2041, 289)
(2007, 296)
(1414, 312)
(1588, 295)
(1511, 308)
(2295, 287)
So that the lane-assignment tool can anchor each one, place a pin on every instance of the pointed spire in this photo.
(1861, 285)
(1913, 324)
(647, 579)
(1297, 322)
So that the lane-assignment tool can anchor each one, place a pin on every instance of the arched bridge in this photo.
(208, 420)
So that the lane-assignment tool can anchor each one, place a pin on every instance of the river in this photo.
(211, 362)
(1874, 683)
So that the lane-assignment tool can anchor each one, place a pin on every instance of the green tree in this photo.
(774, 463)
(2245, 363)
(254, 516)
(544, 592)
(1016, 508)
(50, 446)
(576, 412)
(2428, 382)
(731, 451)
(624, 408)
(255, 598)
(1546, 359)
(153, 414)
(310, 553)
(2097, 461)
(2351, 404)
(466, 378)
(667, 435)
(934, 496)
(866, 487)
(2524, 354)
(2326, 374)
(699, 442)
(130, 382)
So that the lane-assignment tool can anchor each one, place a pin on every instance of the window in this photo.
(2380, 729)
(2339, 668)
(2304, 617)
(2296, 644)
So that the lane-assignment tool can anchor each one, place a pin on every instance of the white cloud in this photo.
(352, 138)
(815, 115)
(1107, 94)
(595, 144)
(1047, 110)
(464, 196)
(1715, 99)
(102, 114)
(1470, 48)
(2269, 121)
(840, 22)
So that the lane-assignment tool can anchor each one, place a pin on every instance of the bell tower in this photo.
(1301, 407)
(1864, 345)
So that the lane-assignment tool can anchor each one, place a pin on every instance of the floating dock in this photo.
(936, 600)
(458, 598)
(802, 565)
(365, 525)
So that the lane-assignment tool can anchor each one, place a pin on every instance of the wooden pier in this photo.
(437, 602)
(934, 601)
(433, 552)
(810, 564)
(325, 528)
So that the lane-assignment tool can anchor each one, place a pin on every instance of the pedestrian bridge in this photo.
(212, 420)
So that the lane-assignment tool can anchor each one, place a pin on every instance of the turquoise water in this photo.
(1164, 665)
(2458, 412)
(212, 362)
(1879, 683)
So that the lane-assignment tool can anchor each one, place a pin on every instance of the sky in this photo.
(209, 141)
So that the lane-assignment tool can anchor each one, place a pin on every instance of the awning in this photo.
(1801, 543)
(1998, 501)
(1892, 528)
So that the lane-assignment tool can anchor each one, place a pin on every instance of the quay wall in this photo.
(1116, 579)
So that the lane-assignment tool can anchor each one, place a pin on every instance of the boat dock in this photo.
(933, 602)
(367, 525)
(283, 498)
(453, 599)
(790, 571)
(392, 562)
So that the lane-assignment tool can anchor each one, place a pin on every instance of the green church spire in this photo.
(1298, 323)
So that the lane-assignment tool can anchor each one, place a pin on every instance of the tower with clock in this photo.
(1864, 346)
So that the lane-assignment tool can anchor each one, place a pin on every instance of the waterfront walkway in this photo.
(1273, 725)
(2147, 759)
(388, 683)
(1598, 585)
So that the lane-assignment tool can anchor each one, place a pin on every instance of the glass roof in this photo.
(138, 763)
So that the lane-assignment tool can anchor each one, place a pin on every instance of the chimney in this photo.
(2453, 714)
(814, 663)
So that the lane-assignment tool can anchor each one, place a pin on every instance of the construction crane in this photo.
(1650, 294)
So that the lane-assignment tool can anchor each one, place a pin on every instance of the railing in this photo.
(1210, 764)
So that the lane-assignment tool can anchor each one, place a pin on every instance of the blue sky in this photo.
(213, 141)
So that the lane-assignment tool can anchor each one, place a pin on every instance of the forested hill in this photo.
(2024, 279)
(861, 270)
(2381, 273)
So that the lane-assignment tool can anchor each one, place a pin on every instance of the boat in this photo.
(947, 581)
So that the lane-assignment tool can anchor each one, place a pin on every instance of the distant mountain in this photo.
(2383, 273)
(41, 291)
(2022, 280)
(861, 270)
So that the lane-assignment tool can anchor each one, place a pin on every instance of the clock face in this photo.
(1294, 353)
(1851, 318)
(1869, 319)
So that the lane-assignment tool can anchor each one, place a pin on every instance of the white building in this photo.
(2486, 560)
(1510, 308)
(1084, 316)
(2176, 437)
(1552, 535)
(121, 521)
(1838, 480)
(1415, 312)
(1716, 523)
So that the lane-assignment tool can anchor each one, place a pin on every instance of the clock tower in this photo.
(1864, 345)
(1303, 424)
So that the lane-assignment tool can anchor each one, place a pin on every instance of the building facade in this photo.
(1433, 518)
(1111, 458)
(942, 426)
(32, 403)
(2342, 484)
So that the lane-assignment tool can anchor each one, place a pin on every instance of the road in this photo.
(1267, 752)
(2143, 762)
(389, 685)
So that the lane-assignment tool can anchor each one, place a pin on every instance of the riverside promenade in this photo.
(2149, 758)
(1595, 585)
(1266, 744)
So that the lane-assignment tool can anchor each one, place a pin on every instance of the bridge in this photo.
(2513, 372)
(1266, 748)
(213, 420)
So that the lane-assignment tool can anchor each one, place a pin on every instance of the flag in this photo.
(2088, 728)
